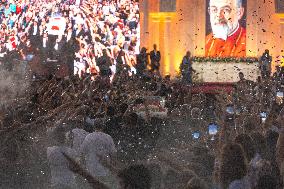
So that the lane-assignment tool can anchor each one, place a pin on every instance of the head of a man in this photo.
(105, 52)
(155, 47)
(241, 76)
(143, 50)
(225, 16)
(188, 53)
(266, 52)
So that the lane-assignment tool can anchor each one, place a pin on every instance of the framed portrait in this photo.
(226, 28)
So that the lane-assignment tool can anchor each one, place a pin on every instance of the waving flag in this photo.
(56, 26)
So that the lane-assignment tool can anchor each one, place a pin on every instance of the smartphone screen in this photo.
(230, 110)
(212, 129)
(196, 135)
(263, 116)
(279, 94)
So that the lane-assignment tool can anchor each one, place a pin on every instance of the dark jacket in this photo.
(155, 58)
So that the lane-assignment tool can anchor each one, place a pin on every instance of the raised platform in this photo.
(224, 72)
(212, 88)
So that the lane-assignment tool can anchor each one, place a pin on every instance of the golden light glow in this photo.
(177, 61)
(167, 63)
(161, 16)
(163, 21)
(281, 16)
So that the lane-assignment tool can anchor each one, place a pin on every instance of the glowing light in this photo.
(177, 61)
(164, 19)
(162, 16)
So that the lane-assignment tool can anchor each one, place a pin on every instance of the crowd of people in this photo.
(86, 130)
(95, 29)
(94, 131)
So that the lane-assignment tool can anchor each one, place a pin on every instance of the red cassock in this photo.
(234, 46)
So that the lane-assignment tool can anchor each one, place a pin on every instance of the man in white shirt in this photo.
(34, 34)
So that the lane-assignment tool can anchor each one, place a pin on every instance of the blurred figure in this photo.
(247, 144)
(104, 63)
(280, 144)
(142, 61)
(155, 57)
(266, 182)
(233, 167)
(98, 151)
(260, 146)
(186, 68)
(196, 183)
(265, 64)
(61, 176)
(135, 177)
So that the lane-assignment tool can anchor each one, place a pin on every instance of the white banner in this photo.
(56, 26)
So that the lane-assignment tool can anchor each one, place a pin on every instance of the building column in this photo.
(161, 35)
(281, 40)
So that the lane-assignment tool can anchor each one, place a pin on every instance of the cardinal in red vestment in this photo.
(233, 46)
(228, 37)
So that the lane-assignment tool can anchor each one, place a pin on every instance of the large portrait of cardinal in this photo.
(225, 27)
